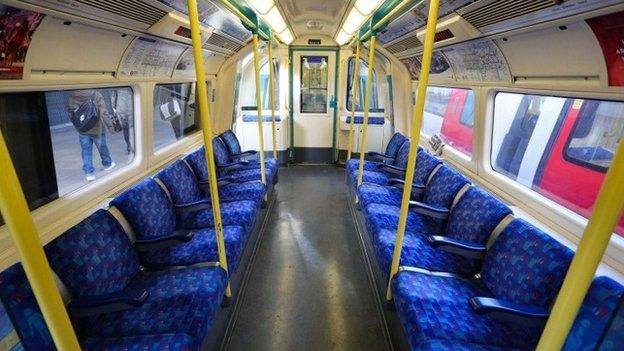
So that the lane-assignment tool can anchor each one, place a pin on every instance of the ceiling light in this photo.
(342, 37)
(275, 20)
(366, 7)
(353, 22)
(261, 6)
(286, 36)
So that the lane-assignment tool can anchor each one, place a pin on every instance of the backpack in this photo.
(85, 116)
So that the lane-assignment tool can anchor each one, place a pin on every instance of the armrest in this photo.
(392, 169)
(417, 189)
(506, 311)
(243, 154)
(205, 184)
(89, 305)
(202, 204)
(177, 237)
(234, 165)
(377, 156)
(459, 247)
(430, 211)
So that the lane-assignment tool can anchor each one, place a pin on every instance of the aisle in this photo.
(308, 288)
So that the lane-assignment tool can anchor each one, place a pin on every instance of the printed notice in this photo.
(150, 58)
(478, 61)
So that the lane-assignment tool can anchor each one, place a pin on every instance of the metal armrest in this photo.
(430, 211)
(202, 204)
(177, 237)
(379, 157)
(243, 154)
(506, 311)
(417, 189)
(232, 166)
(90, 305)
(458, 247)
(392, 169)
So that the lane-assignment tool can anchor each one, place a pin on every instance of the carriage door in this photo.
(314, 77)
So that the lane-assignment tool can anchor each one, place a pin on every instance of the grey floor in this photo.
(308, 288)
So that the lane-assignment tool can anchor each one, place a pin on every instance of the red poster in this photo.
(16, 29)
(609, 31)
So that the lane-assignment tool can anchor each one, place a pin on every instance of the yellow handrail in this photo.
(204, 115)
(272, 98)
(22, 229)
(354, 94)
(423, 81)
(256, 49)
(591, 248)
(367, 97)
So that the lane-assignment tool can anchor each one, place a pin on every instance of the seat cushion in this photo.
(231, 141)
(369, 193)
(437, 308)
(425, 164)
(202, 248)
(443, 187)
(375, 177)
(163, 342)
(181, 182)
(354, 164)
(452, 345)
(252, 191)
(250, 174)
(380, 217)
(417, 252)
(179, 301)
(240, 213)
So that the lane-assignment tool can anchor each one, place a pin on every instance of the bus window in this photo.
(374, 101)
(175, 115)
(450, 113)
(559, 147)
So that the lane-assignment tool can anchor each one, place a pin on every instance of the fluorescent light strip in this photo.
(357, 16)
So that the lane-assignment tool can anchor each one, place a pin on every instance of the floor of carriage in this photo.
(308, 288)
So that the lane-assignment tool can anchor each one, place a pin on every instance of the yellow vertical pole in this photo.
(256, 49)
(423, 81)
(354, 95)
(272, 98)
(22, 229)
(591, 248)
(367, 97)
(204, 115)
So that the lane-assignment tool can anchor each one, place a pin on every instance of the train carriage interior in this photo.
(311, 175)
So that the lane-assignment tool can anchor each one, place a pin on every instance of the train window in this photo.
(359, 102)
(559, 147)
(60, 140)
(449, 112)
(313, 84)
(264, 85)
(175, 115)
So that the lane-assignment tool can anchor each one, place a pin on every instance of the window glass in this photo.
(264, 84)
(449, 112)
(248, 90)
(175, 115)
(560, 147)
(61, 140)
(363, 77)
(313, 84)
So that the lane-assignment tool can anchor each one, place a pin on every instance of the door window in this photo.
(314, 84)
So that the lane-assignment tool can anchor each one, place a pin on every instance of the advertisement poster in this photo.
(413, 66)
(609, 31)
(16, 30)
(440, 66)
(186, 64)
(478, 61)
(150, 58)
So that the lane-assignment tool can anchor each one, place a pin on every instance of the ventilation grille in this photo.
(503, 10)
(133, 9)
(222, 42)
(408, 43)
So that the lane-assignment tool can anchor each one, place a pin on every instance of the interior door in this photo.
(314, 78)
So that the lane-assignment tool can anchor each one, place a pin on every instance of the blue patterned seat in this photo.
(380, 176)
(369, 193)
(235, 152)
(391, 151)
(524, 266)
(183, 189)
(151, 215)
(180, 342)
(243, 170)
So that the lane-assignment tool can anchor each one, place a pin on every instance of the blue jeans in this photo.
(86, 144)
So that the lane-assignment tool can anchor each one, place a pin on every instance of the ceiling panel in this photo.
(314, 17)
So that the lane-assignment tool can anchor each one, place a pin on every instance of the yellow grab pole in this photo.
(591, 248)
(204, 115)
(354, 94)
(256, 49)
(423, 81)
(272, 98)
(367, 97)
(22, 228)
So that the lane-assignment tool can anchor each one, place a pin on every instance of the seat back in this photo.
(181, 183)
(475, 216)
(395, 144)
(425, 164)
(600, 308)
(525, 265)
(197, 161)
(94, 257)
(443, 187)
(21, 306)
(402, 155)
(221, 154)
(147, 208)
(231, 141)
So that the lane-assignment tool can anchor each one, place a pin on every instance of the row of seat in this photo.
(144, 274)
(471, 277)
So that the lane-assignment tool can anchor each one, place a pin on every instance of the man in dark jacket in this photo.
(96, 135)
